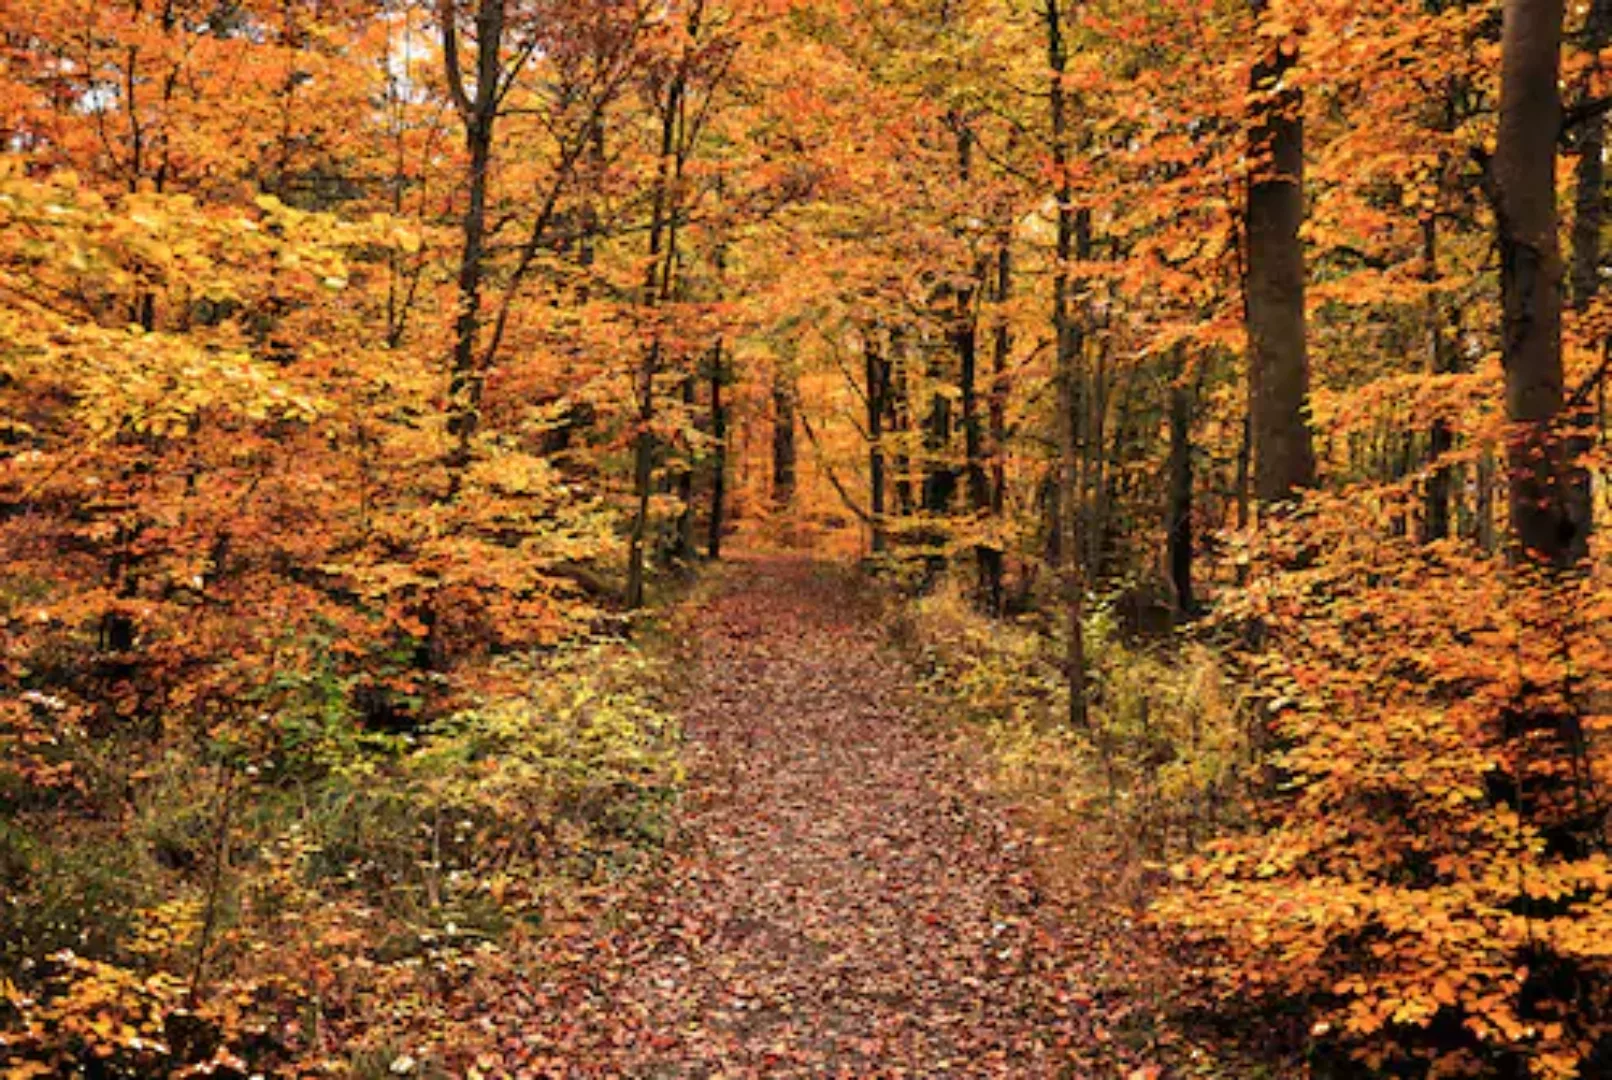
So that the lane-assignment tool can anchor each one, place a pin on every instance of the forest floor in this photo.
(842, 895)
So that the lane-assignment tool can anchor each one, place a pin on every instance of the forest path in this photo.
(840, 902)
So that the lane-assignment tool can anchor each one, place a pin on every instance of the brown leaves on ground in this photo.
(839, 901)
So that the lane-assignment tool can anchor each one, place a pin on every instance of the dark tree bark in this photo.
(1523, 172)
(1589, 219)
(1179, 550)
(1440, 439)
(478, 113)
(683, 542)
(1067, 336)
(1278, 361)
(657, 290)
(966, 345)
(979, 488)
(991, 555)
(784, 452)
(899, 422)
(940, 478)
(719, 449)
(878, 403)
(1589, 179)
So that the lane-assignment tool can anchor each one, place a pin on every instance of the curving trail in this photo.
(840, 902)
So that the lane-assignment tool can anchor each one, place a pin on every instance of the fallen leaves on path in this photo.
(840, 901)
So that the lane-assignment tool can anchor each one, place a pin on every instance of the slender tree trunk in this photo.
(1484, 527)
(1095, 457)
(479, 114)
(1278, 363)
(940, 478)
(900, 421)
(1589, 219)
(683, 549)
(1531, 272)
(966, 342)
(991, 555)
(657, 290)
(785, 455)
(1245, 461)
(979, 485)
(1066, 333)
(1179, 549)
(1440, 439)
(719, 449)
(878, 393)
(1589, 178)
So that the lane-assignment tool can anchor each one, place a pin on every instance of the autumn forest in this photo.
(767, 538)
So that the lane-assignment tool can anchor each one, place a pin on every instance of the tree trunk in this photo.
(784, 453)
(940, 479)
(1589, 178)
(657, 290)
(1484, 512)
(1179, 515)
(878, 394)
(1440, 439)
(900, 421)
(979, 487)
(1066, 334)
(683, 544)
(719, 450)
(1524, 167)
(991, 555)
(1278, 363)
(1094, 446)
(478, 113)
(1589, 218)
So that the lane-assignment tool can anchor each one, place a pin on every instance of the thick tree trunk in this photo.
(1531, 272)
(1278, 362)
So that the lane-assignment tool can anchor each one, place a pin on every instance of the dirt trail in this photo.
(841, 903)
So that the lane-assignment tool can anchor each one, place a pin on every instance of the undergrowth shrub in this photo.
(248, 906)
(1427, 868)
(1167, 749)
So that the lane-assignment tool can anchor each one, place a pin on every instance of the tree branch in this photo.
(828, 471)
(1583, 112)
(448, 15)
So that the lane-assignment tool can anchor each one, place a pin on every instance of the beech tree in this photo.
(1278, 351)
(1545, 507)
